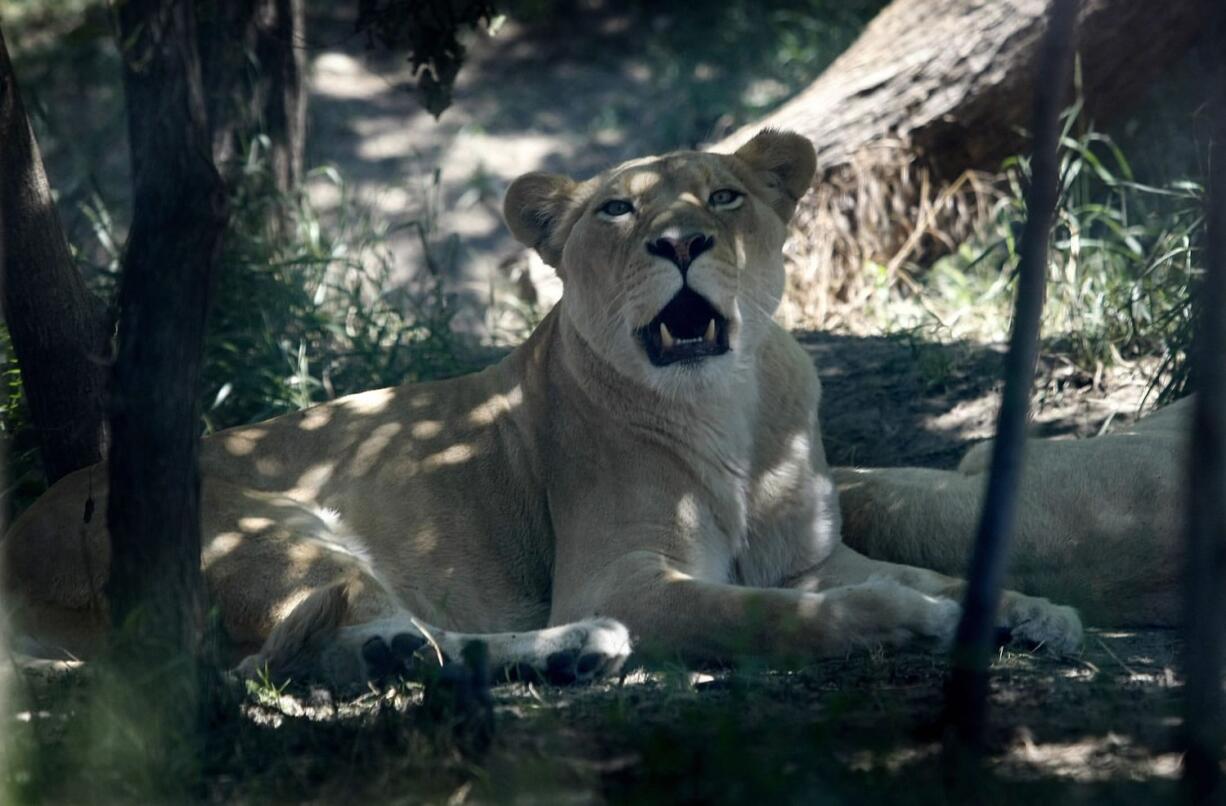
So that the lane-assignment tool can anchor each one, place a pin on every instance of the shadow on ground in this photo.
(1099, 728)
(899, 400)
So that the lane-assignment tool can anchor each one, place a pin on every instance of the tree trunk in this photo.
(933, 89)
(179, 201)
(60, 331)
(254, 67)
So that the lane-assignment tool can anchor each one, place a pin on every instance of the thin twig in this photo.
(425, 632)
(1116, 657)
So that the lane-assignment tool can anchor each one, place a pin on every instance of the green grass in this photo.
(1125, 257)
(302, 319)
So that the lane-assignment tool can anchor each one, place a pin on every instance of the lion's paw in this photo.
(888, 613)
(401, 654)
(1037, 621)
(578, 653)
(944, 615)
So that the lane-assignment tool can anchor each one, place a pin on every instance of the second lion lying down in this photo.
(647, 466)
(1100, 521)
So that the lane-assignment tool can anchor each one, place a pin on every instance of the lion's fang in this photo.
(666, 338)
(710, 334)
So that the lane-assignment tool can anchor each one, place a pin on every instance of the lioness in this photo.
(1100, 522)
(646, 465)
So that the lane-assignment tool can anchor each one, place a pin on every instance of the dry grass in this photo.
(882, 208)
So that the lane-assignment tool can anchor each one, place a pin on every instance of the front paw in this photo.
(883, 612)
(1048, 626)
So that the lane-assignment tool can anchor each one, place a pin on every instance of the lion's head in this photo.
(672, 266)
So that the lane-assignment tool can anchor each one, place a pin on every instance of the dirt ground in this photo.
(864, 729)
(898, 400)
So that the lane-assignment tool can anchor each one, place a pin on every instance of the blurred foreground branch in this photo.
(966, 702)
(1205, 619)
(155, 589)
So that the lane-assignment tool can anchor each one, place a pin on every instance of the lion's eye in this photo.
(616, 208)
(725, 197)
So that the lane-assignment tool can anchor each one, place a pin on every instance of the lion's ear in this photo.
(534, 208)
(785, 161)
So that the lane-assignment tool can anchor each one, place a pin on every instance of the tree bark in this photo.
(60, 331)
(179, 217)
(254, 68)
(933, 89)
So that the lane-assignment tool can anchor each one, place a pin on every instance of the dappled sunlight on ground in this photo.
(1091, 759)
(859, 729)
(902, 400)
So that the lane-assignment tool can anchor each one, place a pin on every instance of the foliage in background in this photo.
(296, 319)
(23, 476)
(302, 319)
(1125, 257)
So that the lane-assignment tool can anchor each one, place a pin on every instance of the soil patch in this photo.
(896, 400)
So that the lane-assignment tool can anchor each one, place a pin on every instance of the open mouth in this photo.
(687, 329)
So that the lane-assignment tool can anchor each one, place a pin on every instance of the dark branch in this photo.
(1206, 580)
(61, 332)
(153, 516)
(967, 689)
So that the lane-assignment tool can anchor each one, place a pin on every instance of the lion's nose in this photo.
(681, 251)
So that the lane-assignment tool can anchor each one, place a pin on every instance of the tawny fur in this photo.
(551, 502)
(1100, 521)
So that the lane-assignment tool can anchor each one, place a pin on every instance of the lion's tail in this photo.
(309, 626)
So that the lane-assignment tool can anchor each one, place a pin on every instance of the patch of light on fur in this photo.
(221, 545)
(426, 429)
(283, 608)
(316, 418)
(643, 182)
(372, 402)
(302, 556)
(269, 466)
(688, 516)
(809, 605)
(255, 523)
(425, 538)
(454, 455)
(497, 406)
(372, 447)
(785, 475)
(304, 552)
(242, 444)
(312, 481)
(715, 560)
